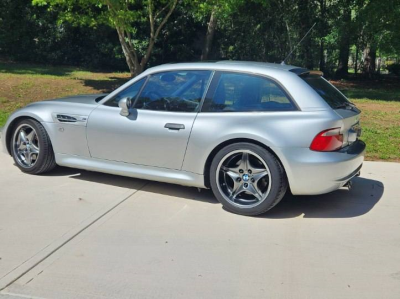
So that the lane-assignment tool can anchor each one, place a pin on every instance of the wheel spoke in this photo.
(259, 174)
(27, 156)
(22, 136)
(254, 191)
(34, 149)
(244, 163)
(232, 172)
(236, 190)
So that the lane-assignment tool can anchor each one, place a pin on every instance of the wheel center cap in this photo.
(245, 177)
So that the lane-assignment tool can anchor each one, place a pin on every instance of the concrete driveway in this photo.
(77, 234)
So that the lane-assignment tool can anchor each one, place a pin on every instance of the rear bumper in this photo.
(311, 172)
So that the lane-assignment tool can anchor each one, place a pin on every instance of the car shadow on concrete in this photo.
(190, 193)
(342, 203)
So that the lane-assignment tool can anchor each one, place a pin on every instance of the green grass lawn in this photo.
(21, 84)
(381, 129)
(380, 120)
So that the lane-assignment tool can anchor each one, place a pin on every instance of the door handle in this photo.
(172, 126)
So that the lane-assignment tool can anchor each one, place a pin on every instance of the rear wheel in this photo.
(247, 179)
(31, 147)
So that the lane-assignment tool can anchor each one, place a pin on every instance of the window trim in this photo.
(199, 107)
(214, 84)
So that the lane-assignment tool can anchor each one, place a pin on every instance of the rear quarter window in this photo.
(238, 92)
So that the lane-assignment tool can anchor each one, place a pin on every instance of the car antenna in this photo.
(283, 61)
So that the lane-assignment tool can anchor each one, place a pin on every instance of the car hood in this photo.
(81, 99)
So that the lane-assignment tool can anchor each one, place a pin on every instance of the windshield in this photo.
(327, 91)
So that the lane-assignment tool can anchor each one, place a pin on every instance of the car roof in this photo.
(250, 66)
(259, 64)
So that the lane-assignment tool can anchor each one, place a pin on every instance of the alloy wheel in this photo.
(244, 179)
(26, 146)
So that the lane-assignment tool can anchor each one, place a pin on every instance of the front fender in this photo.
(27, 112)
(66, 138)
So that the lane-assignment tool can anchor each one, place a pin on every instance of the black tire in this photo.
(279, 183)
(46, 160)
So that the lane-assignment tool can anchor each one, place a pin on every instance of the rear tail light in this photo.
(327, 141)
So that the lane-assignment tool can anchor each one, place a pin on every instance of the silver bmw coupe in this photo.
(249, 131)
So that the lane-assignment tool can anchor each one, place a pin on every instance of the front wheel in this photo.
(247, 179)
(31, 147)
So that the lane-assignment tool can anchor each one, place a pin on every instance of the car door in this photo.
(157, 130)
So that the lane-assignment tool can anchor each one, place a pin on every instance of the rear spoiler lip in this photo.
(305, 72)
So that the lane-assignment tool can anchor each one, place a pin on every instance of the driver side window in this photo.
(131, 92)
(178, 91)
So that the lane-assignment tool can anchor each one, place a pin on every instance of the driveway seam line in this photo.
(4, 285)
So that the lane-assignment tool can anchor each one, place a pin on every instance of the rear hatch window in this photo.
(327, 91)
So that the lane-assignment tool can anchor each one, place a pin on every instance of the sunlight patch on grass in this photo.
(373, 94)
(55, 72)
(380, 122)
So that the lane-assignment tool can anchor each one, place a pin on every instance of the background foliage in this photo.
(350, 35)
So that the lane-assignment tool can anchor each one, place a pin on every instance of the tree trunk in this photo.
(369, 61)
(126, 40)
(343, 67)
(289, 37)
(127, 52)
(356, 62)
(379, 65)
(212, 25)
(322, 60)
(321, 56)
(344, 45)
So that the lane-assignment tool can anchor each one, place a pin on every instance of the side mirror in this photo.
(125, 104)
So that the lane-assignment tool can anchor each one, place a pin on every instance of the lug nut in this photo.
(249, 171)
(252, 180)
(238, 179)
(241, 170)
(246, 185)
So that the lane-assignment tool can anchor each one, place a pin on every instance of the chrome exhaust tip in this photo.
(349, 185)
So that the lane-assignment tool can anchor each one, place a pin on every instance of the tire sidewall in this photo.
(277, 179)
